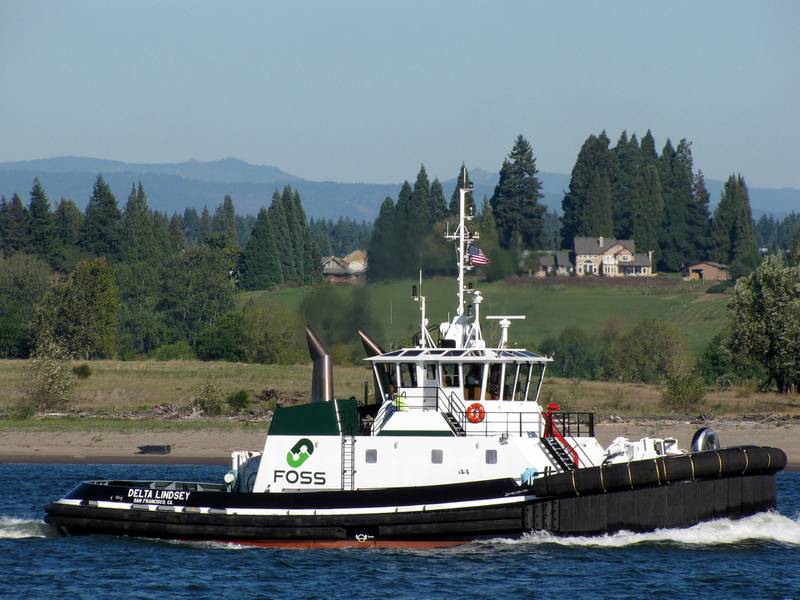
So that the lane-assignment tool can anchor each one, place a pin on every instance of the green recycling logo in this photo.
(300, 452)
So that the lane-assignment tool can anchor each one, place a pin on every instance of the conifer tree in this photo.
(420, 213)
(675, 171)
(515, 202)
(469, 200)
(261, 264)
(592, 169)
(733, 227)
(311, 257)
(15, 226)
(295, 221)
(648, 213)
(100, 235)
(699, 220)
(280, 230)
(204, 226)
(191, 225)
(649, 154)
(599, 217)
(43, 237)
(627, 184)
(136, 234)
(382, 247)
(224, 222)
(437, 203)
(68, 218)
(177, 238)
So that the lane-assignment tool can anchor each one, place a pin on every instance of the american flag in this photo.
(476, 256)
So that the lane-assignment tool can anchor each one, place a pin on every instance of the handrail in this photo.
(552, 430)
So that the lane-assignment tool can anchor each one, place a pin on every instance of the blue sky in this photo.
(367, 90)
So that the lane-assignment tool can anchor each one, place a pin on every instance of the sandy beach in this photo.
(206, 447)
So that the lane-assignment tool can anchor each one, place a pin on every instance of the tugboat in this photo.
(455, 448)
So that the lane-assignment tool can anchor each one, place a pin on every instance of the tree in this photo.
(419, 214)
(648, 212)
(599, 216)
(295, 223)
(733, 227)
(68, 218)
(382, 244)
(195, 291)
(177, 237)
(283, 241)
(100, 235)
(82, 314)
(515, 202)
(24, 280)
(191, 226)
(437, 203)
(261, 267)
(592, 170)
(626, 185)
(204, 226)
(469, 200)
(137, 238)
(675, 171)
(43, 239)
(699, 220)
(224, 222)
(14, 225)
(652, 352)
(765, 321)
(795, 253)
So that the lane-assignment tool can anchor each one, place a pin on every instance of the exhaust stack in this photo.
(322, 375)
(371, 347)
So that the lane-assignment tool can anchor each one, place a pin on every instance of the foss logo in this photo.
(299, 454)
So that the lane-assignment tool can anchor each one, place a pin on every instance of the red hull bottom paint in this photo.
(334, 544)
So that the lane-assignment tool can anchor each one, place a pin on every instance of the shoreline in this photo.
(193, 447)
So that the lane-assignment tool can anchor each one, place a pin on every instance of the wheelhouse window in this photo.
(386, 378)
(450, 375)
(430, 371)
(473, 379)
(508, 387)
(408, 375)
(523, 376)
(493, 384)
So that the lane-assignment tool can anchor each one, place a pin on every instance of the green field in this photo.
(549, 306)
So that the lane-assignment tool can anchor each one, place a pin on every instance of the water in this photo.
(757, 557)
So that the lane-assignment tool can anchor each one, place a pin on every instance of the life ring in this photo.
(476, 413)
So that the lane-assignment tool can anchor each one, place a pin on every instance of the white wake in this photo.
(763, 527)
(14, 528)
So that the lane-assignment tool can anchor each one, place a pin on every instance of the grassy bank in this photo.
(119, 388)
(549, 305)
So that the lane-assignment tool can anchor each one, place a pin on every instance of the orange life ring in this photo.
(476, 413)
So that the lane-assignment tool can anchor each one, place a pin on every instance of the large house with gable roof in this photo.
(600, 255)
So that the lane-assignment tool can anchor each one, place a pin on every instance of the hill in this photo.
(550, 306)
(173, 187)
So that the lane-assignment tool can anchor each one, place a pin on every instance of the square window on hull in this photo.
(437, 457)
(491, 457)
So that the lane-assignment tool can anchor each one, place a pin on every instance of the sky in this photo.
(368, 90)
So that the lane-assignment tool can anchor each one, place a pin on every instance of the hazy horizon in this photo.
(362, 91)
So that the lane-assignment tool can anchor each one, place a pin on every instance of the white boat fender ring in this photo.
(475, 412)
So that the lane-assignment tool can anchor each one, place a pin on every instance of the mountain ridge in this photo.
(172, 187)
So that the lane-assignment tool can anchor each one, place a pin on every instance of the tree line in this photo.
(407, 235)
(631, 191)
(130, 281)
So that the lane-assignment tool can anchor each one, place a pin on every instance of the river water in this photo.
(757, 557)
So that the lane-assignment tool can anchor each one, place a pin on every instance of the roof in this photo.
(332, 265)
(354, 263)
(460, 355)
(555, 259)
(709, 263)
(592, 245)
(641, 260)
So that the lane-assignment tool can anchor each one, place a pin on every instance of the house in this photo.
(554, 263)
(707, 271)
(610, 257)
(348, 269)
(600, 255)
